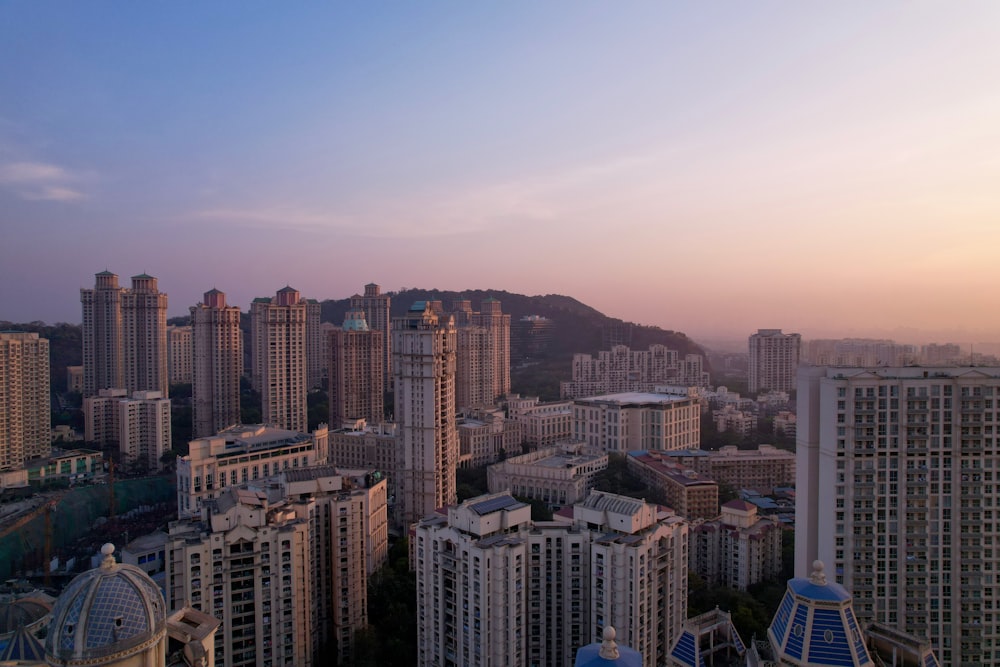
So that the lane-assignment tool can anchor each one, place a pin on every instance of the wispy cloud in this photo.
(40, 181)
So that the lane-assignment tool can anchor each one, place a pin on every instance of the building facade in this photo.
(278, 355)
(621, 370)
(356, 360)
(485, 436)
(495, 588)
(139, 424)
(367, 446)
(736, 549)
(637, 421)
(423, 354)
(760, 469)
(179, 355)
(690, 494)
(482, 368)
(557, 475)
(375, 306)
(243, 454)
(124, 335)
(217, 364)
(773, 360)
(283, 563)
(542, 424)
(897, 473)
(25, 416)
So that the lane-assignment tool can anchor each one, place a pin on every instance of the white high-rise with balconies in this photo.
(773, 360)
(278, 357)
(217, 364)
(423, 351)
(496, 588)
(897, 477)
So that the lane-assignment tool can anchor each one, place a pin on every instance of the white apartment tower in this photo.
(773, 360)
(423, 351)
(124, 335)
(375, 306)
(356, 387)
(495, 588)
(897, 477)
(217, 364)
(139, 424)
(278, 355)
(25, 417)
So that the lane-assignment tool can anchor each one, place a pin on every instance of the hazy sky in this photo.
(827, 168)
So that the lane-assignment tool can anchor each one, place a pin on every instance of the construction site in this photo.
(49, 536)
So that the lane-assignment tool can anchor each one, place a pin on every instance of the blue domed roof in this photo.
(110, 609)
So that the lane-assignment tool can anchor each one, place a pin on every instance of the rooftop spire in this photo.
(609, 649)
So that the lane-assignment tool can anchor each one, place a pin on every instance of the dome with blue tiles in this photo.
(106, 614)
(815, 625)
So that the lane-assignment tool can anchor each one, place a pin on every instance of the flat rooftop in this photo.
(563, 460)
(630, 397)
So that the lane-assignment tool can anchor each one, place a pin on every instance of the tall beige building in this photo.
(773, 360)
(179, 354)
(315, 345)
(25, 417)
(139, 424)
(217, 364)
(375, 306)
(284, 563)
(482, 353)
(124, 335)
(637, 421)
(423, 351)
(356, 386)
(278, 355)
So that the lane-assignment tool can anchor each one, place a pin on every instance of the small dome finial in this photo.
(818, 576)
(109, 562)
(609, 649)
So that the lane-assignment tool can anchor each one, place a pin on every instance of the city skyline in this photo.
(828, 170)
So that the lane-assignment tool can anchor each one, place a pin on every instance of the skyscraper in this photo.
(423, 349)
(773, 360)
(315, 345)
(102, 335)
(25, 420)
(897, 475)
(217, 363)
(124, 335)
(179, 351)
(278, 355)
(375, 306)
(483, 353)
(357, 354)
(144, 336)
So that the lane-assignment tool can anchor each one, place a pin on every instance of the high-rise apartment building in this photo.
(495, 588)
(423, 353)
(25, 417)
(138, 424)
(356, 386)
(284, 563)
(179, 355)
(738, 548)
(773, 360)
(375, 306)
(482, 370)
(637, 421)
(278, 355)
(897, 476)
(622, 369)
(217, 364)
(124, 335)
(315, 345)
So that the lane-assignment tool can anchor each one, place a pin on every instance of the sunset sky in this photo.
(826, 168)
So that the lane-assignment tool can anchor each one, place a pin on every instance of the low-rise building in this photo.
(737, 421)
(760, 469)
(737, 549)
(74, 464)
(485, 436)
(687, 492)
(784, 424)
(243, 454)
(637, 421)
(558, 475)
(542, 424)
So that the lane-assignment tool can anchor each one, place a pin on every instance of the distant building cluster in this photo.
(622, 370)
